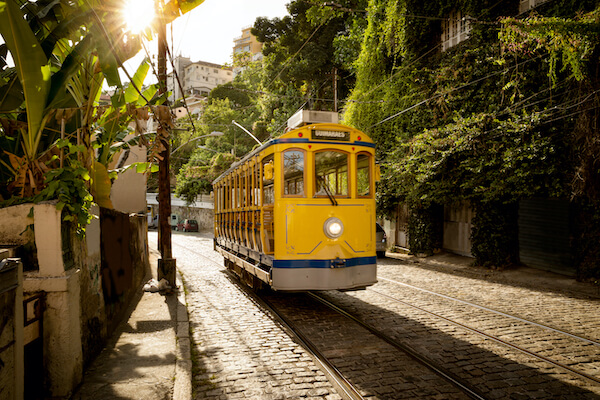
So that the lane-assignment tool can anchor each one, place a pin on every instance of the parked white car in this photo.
(172, 221)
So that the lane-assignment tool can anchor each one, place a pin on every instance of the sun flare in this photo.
(138, 14)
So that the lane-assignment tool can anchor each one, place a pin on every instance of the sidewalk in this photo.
(148, 356)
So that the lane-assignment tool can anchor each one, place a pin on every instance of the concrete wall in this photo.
(128, 193)
(62, 334)
(69, 271)
(93, 317)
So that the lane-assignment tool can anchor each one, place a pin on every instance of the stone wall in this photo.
(124, 260)
(204, 216)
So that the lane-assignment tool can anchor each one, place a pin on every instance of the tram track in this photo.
(514, 317)
(496, 339)
(510, 342)
(345, 389)
(585, 379)
(465, 387)
(287, 308)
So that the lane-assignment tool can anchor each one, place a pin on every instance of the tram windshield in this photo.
(331, 170)
(293, 172)
(363, 175)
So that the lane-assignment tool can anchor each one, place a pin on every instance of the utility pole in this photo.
(166, 264)
(335, 101)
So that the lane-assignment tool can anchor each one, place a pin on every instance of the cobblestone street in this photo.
(241, 351)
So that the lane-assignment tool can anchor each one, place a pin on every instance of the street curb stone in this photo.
(183, 369)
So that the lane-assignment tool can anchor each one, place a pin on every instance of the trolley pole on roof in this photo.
(166, 264)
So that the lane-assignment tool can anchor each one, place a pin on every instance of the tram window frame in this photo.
(243, 188)
(302, 193)
(238, 190)
(369, 175)
(267, 185)
(257, 182)
(316, 185)
(228, 193)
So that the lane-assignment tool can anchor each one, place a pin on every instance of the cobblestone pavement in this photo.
(242, 353)
(239, 351)
(376, 368)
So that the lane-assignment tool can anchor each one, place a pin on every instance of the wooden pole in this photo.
(335, 100)
(166, 264)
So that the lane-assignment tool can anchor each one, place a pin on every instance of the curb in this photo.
(182, 389)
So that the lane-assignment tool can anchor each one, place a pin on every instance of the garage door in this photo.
(544, 237)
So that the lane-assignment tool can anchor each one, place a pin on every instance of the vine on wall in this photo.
(477, 122)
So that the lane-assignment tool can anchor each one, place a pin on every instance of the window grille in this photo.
(455, 29)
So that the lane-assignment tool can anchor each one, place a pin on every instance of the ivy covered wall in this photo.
(486, 121)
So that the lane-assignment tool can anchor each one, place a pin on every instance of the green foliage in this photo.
(569, 42)
(194, 179)
(63, 52)
(425, 228)
(476, 122)
(483, 159)
(69, 186)
(302, 51)
(494, 236)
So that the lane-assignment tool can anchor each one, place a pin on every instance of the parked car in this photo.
(380, 240)
(172, 221)
(187, 225)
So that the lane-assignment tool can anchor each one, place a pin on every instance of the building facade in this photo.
(248, 45)
(197, 78)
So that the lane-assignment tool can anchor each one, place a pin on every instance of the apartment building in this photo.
(247, 43)
(197, 78)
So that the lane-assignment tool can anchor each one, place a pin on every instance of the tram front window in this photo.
(363, 175)
(293, 173)
(331, 169)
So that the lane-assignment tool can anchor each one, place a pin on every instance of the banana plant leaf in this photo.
(131, 94)
(176, 8)
(11, 91)
(32, 68)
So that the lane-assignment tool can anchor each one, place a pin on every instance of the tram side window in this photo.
(331, 169)
(293, 173)
(268, 190)
(256, 186)
(363, 175)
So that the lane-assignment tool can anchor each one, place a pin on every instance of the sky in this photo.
(206, 33)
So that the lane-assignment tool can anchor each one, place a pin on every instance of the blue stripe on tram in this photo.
(350, 262)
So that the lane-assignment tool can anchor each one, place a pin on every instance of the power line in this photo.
(449, 91)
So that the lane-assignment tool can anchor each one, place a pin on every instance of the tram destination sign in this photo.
(318, 134)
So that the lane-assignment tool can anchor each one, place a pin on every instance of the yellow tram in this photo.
(298, 213)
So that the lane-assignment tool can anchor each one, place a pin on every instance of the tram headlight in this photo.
(333, 228)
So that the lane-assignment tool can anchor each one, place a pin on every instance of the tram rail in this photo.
(496, 339)
(524, 320)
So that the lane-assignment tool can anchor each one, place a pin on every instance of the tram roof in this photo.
(293, 136)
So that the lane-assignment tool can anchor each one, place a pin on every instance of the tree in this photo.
(302, 53)
(49, 111)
